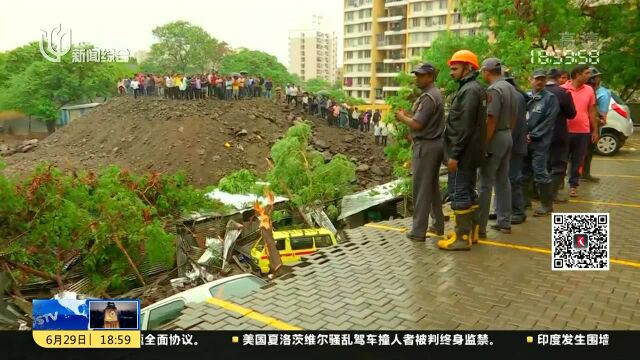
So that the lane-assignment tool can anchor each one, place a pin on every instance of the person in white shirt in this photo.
(376, 132)
(355, 118)
(168, 84)
(287, 92)
(135, 85)
(305, 102)
(384, 132)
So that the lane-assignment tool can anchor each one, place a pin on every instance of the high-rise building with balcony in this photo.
(313, 53)
(381, 37)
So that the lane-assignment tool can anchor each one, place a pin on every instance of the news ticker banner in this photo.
(529, 341)
(90, 323)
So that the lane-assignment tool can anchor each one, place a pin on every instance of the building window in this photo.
(416, 22)
(472, 32)
(429, 6)
(443, 4)
(417, 7)
(456, 18)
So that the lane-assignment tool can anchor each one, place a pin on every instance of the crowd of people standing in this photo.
(198, 86)
(499, 139)
(243, 86)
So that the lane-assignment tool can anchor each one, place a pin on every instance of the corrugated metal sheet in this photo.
(353, 204)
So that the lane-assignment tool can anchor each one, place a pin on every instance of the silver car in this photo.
(169, 309)
(618, 129)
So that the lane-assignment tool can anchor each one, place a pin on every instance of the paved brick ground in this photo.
(380, 280)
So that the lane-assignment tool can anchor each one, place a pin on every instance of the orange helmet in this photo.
(465, 56)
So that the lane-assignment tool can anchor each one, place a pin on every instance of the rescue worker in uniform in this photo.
(559, 149)
(518, 152)
(542, 111)
(500, 118)
(426, 124)
(464, 138)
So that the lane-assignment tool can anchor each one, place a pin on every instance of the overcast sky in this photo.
(127, 24)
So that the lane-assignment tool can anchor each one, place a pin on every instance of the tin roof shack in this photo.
(193, 230)
(380, 203)
(72, 112)
(374, 204)
(22, 126)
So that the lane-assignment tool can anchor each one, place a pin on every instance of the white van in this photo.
(618, 129)
(169, 309)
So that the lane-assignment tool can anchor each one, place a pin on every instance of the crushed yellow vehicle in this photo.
(292, 245)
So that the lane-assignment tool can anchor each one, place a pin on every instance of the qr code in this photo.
(580, 241)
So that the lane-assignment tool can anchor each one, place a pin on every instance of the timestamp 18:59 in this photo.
(570, 57)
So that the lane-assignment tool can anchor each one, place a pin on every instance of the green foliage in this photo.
(332, 91)
(241, 182)
(17, 60)
(399, 150)
(39, 88)
(332, 212)
(305, 174)
(340, 97)
(257, 63)
(443, 47)
(183, 47)
(53, 214)
(315, 85)
(618, 28)
(541, 24)
(279, 215)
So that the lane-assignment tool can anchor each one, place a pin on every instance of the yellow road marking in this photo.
(517, 247)
(605, 159)
(622, 176)
(251, 314)
(605, 203)
(383, 227)
(513, 246)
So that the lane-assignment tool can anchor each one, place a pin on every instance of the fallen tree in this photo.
(111, 222)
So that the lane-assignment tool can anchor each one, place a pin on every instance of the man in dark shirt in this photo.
(518, 152)
(559, 150)
(464, 137)
(426, 125)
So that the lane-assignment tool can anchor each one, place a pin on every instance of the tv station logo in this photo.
(72, 314)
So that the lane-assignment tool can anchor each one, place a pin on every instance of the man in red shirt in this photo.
(583, 128)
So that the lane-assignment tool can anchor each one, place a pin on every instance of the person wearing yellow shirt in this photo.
(177, 83)
(236, 84)
(243, 89)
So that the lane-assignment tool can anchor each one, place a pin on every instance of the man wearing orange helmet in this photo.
(464, 137)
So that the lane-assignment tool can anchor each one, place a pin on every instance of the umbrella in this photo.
(323, 92)
(236, 74)
(244, 72)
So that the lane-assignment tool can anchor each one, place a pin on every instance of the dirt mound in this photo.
(208, 139)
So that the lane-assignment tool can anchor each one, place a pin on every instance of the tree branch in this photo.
(38, 273)
(131, 263)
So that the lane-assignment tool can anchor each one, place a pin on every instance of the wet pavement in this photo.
(378, 279)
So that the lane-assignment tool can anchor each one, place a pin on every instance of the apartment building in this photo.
(313, 54)
(382, 37)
